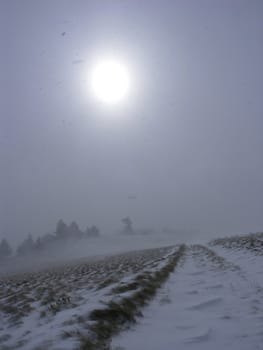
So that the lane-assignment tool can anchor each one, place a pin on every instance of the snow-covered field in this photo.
(176, 297)
(49, 309)
(208, 303)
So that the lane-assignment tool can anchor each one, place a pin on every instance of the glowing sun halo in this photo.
(110, 81)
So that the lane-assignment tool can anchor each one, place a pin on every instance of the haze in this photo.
(183, 151)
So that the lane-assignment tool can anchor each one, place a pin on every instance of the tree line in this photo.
(63, 233)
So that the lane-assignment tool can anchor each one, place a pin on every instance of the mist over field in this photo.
(131, 174)
(182, 150)
(65, 246)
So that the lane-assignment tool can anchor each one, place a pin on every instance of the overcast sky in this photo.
(185, 148)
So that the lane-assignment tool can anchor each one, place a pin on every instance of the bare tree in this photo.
(128, 229)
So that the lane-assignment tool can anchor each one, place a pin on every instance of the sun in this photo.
(109, 81)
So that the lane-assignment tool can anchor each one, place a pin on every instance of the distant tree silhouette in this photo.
(63, 234)
(61, 229)
(92, 231)
(26, 247)
(74, 231)
(39, 245)
(5, 249)
(128, 229)
(47, 240)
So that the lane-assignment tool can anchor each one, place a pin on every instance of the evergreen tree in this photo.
(74, 231)
(27, 246)
(61, 229)
(5, 249)
(93, 231)
(39, 245)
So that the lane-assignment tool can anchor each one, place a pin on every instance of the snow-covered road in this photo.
(208, 303)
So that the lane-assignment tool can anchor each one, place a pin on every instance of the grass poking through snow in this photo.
(118, 315)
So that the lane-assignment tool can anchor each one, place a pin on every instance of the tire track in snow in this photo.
(208, 303)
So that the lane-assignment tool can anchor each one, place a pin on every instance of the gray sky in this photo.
(187, 142)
